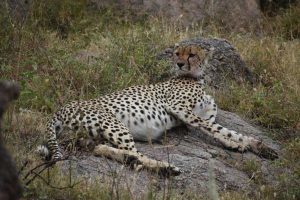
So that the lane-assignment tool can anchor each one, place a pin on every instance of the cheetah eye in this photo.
(191, 55)
(177, 53)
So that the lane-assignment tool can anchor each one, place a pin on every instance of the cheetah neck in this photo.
(199, 80)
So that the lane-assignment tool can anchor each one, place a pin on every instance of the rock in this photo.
(240, 15)
(236, 14)
(10, 187)
(225, 62)
(189, 149)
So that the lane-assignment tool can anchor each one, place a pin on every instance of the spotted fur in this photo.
(146, 112)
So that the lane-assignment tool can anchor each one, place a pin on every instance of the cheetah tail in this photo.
(43, 151)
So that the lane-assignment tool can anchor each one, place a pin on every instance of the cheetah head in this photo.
(190, 60)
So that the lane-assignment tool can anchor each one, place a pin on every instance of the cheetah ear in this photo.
(172, 49)
(168, 53)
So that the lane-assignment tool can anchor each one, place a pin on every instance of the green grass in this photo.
(65, 51)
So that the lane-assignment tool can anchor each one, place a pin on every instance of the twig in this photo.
(54, 187)
(35, 174)
(23, 167)
(45, 165)
(36, 167)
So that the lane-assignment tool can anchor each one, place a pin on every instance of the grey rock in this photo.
(232, 14)
(10, 187)
(225, 63)
(187, 148)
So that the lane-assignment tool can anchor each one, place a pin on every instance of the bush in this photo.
(287, 22)
(57, 15)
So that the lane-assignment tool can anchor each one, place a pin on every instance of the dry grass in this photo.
(274, 102)
(103, 53)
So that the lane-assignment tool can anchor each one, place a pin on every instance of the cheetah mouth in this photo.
(184, 70)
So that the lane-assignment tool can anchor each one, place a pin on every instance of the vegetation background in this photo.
(47, 50)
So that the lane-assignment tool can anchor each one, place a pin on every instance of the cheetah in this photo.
(145, 113)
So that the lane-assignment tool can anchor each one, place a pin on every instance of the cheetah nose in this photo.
(180, 65)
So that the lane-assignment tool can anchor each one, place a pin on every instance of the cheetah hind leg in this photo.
(124, 150)
(137, 160)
